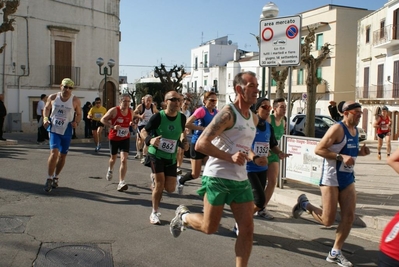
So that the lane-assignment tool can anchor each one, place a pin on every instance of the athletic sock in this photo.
(335, 252)
(304, 205)
(183, 217)
(186, 177)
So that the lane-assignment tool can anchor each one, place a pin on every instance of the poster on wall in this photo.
(304, 165)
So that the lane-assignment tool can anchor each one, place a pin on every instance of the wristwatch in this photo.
(339, 157)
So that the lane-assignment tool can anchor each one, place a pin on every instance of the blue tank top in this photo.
(260, 146)
(202, 122)
(337, 170)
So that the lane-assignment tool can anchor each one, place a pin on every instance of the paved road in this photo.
(87, 216)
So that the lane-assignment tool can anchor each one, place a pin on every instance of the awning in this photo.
(392, 108)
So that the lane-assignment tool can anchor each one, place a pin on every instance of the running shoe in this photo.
(176, 224)
(109, 176)
(235, 229)
(264, 214)
(142, 159)
(379, 156)
(179, 186)
(339, 259)
(179, 171)
(54, 184)
(122, 186)
(98, 147)
(48, 185)
(139, 155)
(297, 210)
(154, 218)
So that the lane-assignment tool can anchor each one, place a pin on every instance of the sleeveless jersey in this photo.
(147, 115)
(278, 130)
(122, 120)
(336, 173)
(170, 130)
(383, 125)
(62, 114)
(390, 238)
(260, 146)
(235, 139)
(202, 122)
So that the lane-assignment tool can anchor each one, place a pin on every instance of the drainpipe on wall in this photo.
(23, 67)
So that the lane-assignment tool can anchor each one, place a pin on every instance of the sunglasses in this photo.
(174, 99)
(98, 102)
(68, 87)
(354, 112)
(213, 100)
(266, 106)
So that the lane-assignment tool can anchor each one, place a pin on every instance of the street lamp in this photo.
(269, 11)
(111, 64)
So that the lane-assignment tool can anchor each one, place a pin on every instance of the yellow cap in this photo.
(67, 82)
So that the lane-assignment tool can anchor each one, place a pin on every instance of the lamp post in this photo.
(111, 64)
(269, 11)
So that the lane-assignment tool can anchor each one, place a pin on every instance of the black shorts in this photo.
(382, 135)
(194, 154)
(95, 125)
(122, 145)
(386, 261)
(163, 165)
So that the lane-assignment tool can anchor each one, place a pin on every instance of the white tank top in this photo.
(62, 114)
(237, 138)
(147, 115)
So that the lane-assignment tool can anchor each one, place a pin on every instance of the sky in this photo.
(165, 31)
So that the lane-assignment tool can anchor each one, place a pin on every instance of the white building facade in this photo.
(53, 40)
(336, 25)
(377, 80)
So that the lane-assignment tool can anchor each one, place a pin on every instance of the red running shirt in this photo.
(122, 120)
(390, 238)
(383, 125)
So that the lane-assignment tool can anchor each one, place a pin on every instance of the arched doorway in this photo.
(109, 95)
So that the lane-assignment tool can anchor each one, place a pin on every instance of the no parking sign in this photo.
(280, 42)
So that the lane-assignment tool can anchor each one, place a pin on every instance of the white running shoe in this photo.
(109, 176)
(264, 214)
(154, 218)
(176, 224)
(122, 186)
(139, 155)
(339, 259)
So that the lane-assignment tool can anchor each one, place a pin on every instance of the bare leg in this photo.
(170, 184)
(388, 137)
(180, 153)
(157, 191)
(272, 173)
(243, 215)
(379, 145)
(112, 161)
(95, 137)
(99, 131)
(208, 222)
(60, 164)
(326, 216)
(52, 161)
(196, 165)
(347, 204)
(123, 167)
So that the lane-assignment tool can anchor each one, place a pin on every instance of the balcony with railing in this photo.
(57, 73)
(378, 92)
(386, 37)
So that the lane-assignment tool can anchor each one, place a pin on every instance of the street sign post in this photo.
(280, 41)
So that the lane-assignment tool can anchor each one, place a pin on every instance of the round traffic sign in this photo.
(267, 34)
(292, 31)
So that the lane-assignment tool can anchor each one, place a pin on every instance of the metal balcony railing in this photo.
(386, 91)
(384, 35)
(57, 73)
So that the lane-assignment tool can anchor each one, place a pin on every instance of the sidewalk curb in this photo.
(288, 197)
